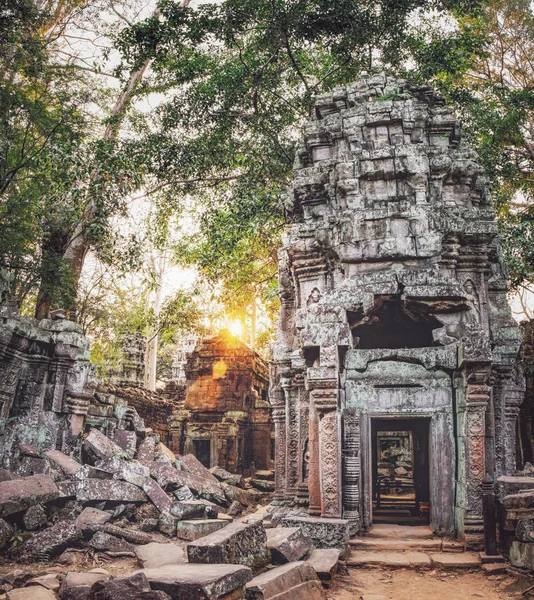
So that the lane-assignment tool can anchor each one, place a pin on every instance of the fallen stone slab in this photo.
(52, 541)
(134, 586)
(131, 535)
(98, 446)
(227, 477)
(165, 454)
(466, 560)
(263, 485)
(167, 524)
(147, 449)
(19, 494)
(77, 586)
(194, 529)
(324, 533)
(91, 516)
(157, 496)
(264, 474)
(29, 450)
(50, 581)
(131, 471)
(236, 494)
(127, 440)
(168, 478)
(109, 490)
(324, 562)
(192, 509)
(156, 555)
(33, 466)
(198, 582)
(287, 544)
(68, 465)
(292, 581)
(238, 543)
(104, 542)
(67, 489)
(32, 593)
(191, 464)
(494, 568)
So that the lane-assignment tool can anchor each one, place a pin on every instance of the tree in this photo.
(239, 77)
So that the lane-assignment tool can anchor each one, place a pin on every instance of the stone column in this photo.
(477, 396)
(304, 446)
(314, 475)
(279, 418)
(291, 393)
(351, 469)
(326, 403)
(513, 399)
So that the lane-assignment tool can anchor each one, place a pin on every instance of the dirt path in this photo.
(406, 584)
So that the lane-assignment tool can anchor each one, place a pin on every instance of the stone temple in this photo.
(395, 376)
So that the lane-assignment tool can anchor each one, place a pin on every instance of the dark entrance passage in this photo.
(203, 452)
(401, 471)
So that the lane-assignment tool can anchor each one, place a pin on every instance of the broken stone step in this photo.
(324, 562)
(494, 568)
(238, 543)
(293, 581)
(287, 544)
(465, 560)
(157, 555)
(67, 464)
(489, 559)
(385, 545)
(389, 559)
(31, 593)
(197, 582)
(194, 529)
(78, 585)
(407, 532)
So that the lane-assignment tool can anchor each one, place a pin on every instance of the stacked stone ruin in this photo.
(394, 304)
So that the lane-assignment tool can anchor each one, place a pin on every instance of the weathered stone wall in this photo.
(393, 303)
(526, 417)
(226, 406)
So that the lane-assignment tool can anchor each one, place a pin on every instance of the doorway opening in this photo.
(203, 452)
(401, 471)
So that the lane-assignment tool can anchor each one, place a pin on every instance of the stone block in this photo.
(324, 562)
(324, 533)
(29, 450)
(131, 471)
(52, 541)
(91, 516)
(293, 581)
(68, 465)
(525, 530)
(191, 464)
(157, 496)
(77, 586)
(50, 581)
(90, 472)
(263, 485)
(287, 544)
(522, 555)
(230, 478)
(98, 446)
(192, 509)
(238, 543)
(167, 524)
(169, 478)
(127, 440)
(110, 490)
(133, 586)
(19, 494)
(198, 582)
(194, 529)
(32, 593)
(105, 542)
(164, 453)
(35, 517)
(519, 501)
(67, 489)
(156, 555)
(147, 449)
(33, 466)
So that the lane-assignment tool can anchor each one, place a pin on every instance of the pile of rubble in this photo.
(132, 498)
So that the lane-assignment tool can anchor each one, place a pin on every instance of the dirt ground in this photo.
(406, 584)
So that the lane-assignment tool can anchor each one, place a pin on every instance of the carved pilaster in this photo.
(326, 402)
(279, 418)
(351, 469)
(291, 393)
(314, 475)
(513, 399)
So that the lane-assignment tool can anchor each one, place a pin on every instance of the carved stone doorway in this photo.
(203, 451)
(401, 475)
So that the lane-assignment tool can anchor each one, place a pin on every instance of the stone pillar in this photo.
(351, 469)
(279, 419)
(326, 403)
(291, 393)
(477, 396)
(314, 475)
(513, 399)
(304, 446)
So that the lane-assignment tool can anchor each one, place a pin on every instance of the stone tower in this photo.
(394, 307)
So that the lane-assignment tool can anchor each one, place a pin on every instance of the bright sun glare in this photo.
(236, 328)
